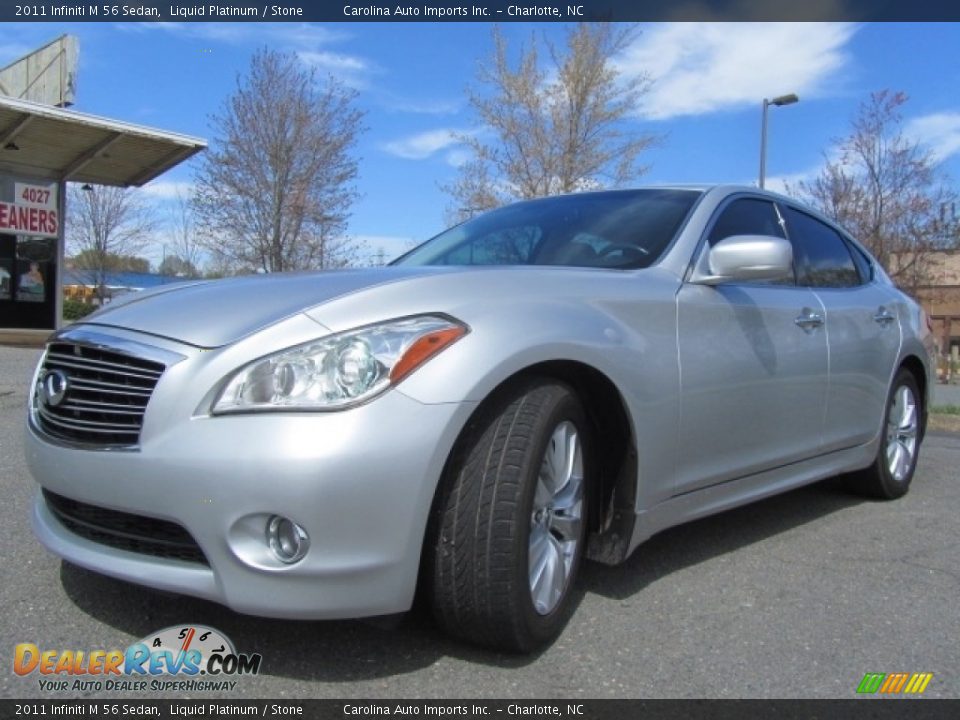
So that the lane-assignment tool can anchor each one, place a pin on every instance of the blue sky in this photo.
(709, 80)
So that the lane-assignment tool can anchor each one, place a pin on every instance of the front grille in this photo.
(125, 531)
(106, 394)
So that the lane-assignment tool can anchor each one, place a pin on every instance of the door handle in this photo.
(809, 320)
(884, 316)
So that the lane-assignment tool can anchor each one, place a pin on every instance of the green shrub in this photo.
(74, 310)
(946, 410)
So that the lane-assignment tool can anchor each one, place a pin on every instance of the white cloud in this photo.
(225, 32)
(309, 42)
(940, 132)
(422, 107)
(423, 145)
(700, 68)
(298, 35)
(168, 189)
(780, 183)
(333, 61)
(289, 34)
(351, 70)
(458, 156)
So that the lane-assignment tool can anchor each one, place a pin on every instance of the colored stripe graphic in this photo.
(871, 682)
(918, 683)
(894, 683)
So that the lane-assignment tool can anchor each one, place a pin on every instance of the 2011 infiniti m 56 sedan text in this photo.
(552, 380)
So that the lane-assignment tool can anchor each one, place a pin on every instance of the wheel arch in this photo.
(915, 367)
(613, 498)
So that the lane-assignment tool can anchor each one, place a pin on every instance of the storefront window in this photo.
(29, 230)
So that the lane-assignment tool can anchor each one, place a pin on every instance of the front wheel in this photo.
(892, 471)
(509, 523)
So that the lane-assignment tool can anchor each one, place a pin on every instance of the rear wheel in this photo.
(509, 523)
(892, 471)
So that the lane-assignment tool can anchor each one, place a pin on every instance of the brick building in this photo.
(941, 300)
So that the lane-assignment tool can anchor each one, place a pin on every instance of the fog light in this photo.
(288, 541)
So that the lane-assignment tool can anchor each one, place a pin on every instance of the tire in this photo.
(508, 528)
(892, 471)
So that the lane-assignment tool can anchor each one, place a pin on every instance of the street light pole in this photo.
(779, 102)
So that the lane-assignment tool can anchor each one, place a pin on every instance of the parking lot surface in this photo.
(796, 596)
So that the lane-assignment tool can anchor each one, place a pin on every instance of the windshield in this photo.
(620, 229)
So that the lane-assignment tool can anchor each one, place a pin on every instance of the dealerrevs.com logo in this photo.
(181, 658)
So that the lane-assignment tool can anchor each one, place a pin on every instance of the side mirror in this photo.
(748, 257)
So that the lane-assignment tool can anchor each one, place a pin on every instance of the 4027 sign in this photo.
(33, 211)
(44, 196)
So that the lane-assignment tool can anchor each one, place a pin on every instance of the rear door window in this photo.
(823, 258)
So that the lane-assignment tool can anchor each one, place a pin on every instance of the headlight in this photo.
(340, 370)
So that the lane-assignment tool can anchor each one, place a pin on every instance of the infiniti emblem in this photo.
(53, 388)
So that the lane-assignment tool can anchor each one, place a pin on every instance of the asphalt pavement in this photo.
(796, 596)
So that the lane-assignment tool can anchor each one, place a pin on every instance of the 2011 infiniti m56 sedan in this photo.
(554, 379)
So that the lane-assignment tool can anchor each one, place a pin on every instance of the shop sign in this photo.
(34, 211)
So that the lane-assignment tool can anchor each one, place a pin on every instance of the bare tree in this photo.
(219, 265)
(183, 254)
(557, 127)
(275, 189)
(105, 223)
(887, 190)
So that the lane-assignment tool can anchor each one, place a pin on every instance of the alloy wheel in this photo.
(556, 518)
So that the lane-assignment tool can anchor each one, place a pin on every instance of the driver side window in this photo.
(750, 216)
(746, 216)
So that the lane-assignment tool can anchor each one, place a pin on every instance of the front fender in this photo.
(637, 355)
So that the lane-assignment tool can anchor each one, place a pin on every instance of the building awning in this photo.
(58, 144)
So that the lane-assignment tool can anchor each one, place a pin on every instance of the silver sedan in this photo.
(553, 380)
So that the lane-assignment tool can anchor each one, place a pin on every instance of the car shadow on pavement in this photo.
(345, 651)
(325, 651)
(692, 543)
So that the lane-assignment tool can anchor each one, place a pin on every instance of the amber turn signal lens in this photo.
(423, 349)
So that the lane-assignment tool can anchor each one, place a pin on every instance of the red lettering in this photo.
(39, 221)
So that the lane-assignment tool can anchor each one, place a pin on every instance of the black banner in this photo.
(478, 10)
(863, 709)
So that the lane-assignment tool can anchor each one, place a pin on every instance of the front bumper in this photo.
(360, 481)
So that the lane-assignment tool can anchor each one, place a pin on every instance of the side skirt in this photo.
(745, 490)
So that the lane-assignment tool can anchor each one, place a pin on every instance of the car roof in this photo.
(723, 188)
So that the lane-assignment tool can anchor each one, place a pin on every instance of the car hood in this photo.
(218, 312)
